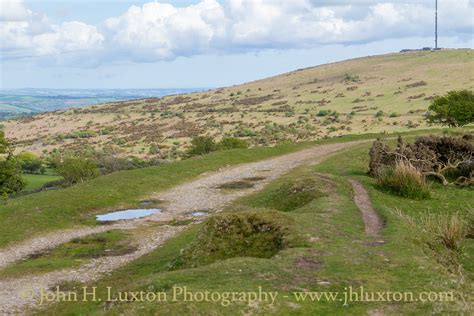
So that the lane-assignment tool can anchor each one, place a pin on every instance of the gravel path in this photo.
(39, 244)
(373, 223)
(204, 194)
(17, 295)
(200, 194)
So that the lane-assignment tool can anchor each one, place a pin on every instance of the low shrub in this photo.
(231, 143)
(403, 180)
(201, 145)
(244, 234)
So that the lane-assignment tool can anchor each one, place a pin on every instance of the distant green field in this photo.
(36, 181)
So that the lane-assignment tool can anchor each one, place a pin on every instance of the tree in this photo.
(30, 163)
(10, 174)
(454, 109)
(75, 170)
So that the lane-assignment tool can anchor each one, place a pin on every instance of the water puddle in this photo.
(199, 213)
(237, 185)
(126, 214)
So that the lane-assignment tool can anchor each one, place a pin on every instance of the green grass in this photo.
(37, 181)
(72, 254)
(36, 214)
(333, 253)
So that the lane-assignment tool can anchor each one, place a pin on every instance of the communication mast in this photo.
(436, 24)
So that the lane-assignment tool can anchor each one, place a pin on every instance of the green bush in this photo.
(403, 180)
(232, 142)
(201, 145)
(454, 109)
(379, 114)
(323, 113)
(75, 170)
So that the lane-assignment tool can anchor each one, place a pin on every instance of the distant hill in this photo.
(372, 94)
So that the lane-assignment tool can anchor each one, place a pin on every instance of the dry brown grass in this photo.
(404, 180)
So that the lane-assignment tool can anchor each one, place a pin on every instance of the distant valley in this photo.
(18, 102)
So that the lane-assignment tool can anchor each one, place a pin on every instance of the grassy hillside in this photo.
(372, 94)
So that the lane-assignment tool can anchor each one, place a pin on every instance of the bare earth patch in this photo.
(373, 223)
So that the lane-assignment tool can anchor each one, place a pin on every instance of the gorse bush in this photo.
(403, 180)
(201, 145)
(231, 143)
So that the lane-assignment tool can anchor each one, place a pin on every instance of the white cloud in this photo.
(160, 31)
(26, 34)
(12, 10)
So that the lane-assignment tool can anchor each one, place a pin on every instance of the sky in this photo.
(207, 43)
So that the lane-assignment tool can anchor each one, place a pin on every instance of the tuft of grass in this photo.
(470, 225)
(451, 232)
(243, 234)
(404, 180)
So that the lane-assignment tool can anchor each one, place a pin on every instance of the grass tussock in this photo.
(443, 235)
(245, 234)
(449, 231)
(404, 180)
(470, 225)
